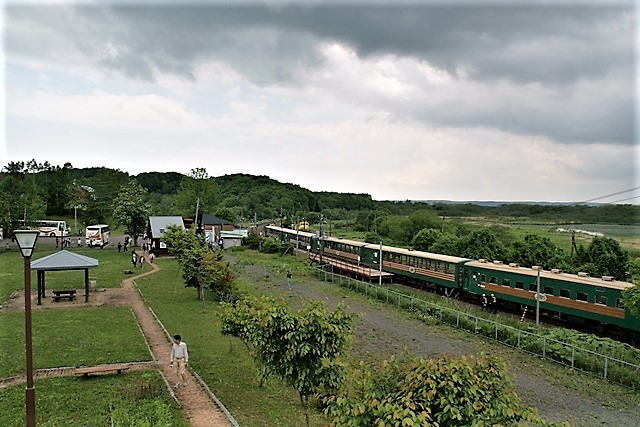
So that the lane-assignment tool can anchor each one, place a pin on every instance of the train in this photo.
(576, 298)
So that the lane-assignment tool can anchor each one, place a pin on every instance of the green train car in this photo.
(443, 271)
(299, 239)
(569, 296)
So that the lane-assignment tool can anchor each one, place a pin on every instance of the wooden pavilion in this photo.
(62, 261)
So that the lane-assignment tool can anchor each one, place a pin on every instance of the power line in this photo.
(612, 194)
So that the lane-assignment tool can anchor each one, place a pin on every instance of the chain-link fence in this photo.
(607, 367)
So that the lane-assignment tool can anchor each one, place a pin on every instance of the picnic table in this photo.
(63, 293)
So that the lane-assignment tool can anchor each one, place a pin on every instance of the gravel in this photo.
(558, 393)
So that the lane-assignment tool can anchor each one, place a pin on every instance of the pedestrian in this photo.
(134, 259)
(79, 242)
(494, 303)
(151, 256)
(119, 246)
(484, 302)
(289, 278)
(57, 242)
(180, 355)
(141, 261)
(126, 243)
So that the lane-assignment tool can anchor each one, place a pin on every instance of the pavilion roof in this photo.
(64, 260)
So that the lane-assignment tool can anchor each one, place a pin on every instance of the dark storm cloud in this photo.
(581, 58)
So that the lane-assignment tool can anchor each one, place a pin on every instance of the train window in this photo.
(533, 287)
(483, 278)
(519, 285)
(601, 299)
(619, 303)
(582, 296)
(506, 282)
(493, 280)
(548, 290)
(565, 293)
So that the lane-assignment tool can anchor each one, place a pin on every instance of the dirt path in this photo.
(199, 407)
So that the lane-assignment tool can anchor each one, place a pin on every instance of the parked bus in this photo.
(97, 235)
(49, 227)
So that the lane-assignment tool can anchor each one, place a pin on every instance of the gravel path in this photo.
(382, 330)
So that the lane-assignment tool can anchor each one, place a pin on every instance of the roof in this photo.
(64, 260)
(418, 254)
(159, 223)
(514, 268)
(214, 220)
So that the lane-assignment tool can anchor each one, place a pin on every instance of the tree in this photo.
(537, 250)
(631, 296)
(425, 239)
(197, 185)
(130, 210)
(481, 244)
(604, 257)
(201, 267)
(448, 391)
(299, 348)
(20, 198)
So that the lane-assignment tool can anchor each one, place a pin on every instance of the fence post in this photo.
(606, 366)
(496, 331)
(476, 330)
(519, 332)
(457, 319)
(544, 346)
(573, 356)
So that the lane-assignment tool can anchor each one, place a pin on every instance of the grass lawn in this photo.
(96, 401)
(223, 363)
(73, 337)
(109, 274)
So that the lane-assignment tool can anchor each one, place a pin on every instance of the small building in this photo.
(155, 229)
(214, 226)
(229, 239)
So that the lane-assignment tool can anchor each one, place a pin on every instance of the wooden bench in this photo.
(102, 369)
(64, 293)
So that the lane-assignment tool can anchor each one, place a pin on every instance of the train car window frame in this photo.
(601, 299)
(506, 282)
(582, 296)
(565, 293)
(620, 303)
(483, 278)
(533, 287)
(548, 290)
(493, 280)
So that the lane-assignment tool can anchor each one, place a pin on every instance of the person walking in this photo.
(141, 261)
(134, 258)
(119, 247)
(289, 278)
(180, 356)
(494, 303)
(484, 302)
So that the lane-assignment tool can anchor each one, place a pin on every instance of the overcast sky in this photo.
(400, 100)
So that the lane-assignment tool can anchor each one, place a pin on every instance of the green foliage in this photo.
(201, 267)
(20, 197)
(197, 186)
(252, 241)
(425, 239)
(102, 188)
(450, 390)
(631, 298)
(299, 348)
(481, 244)
(130, 209)
(604, 257)
(537, 250)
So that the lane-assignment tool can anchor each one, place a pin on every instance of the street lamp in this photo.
(27, 242)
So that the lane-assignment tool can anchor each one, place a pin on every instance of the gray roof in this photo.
(64, 260)
(159, 223)
(214, 220)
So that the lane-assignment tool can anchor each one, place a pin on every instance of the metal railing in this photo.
(588, 361)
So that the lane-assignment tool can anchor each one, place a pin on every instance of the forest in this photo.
(31, 190)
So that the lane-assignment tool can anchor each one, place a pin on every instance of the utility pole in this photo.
(380, 276)
(538, 298)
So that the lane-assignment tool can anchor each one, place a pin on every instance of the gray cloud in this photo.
(564, 72)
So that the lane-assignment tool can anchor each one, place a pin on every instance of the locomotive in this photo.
(578, 298)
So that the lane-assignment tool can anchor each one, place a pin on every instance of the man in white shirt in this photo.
(180, 355)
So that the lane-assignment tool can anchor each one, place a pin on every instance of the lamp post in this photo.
(27, 242)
